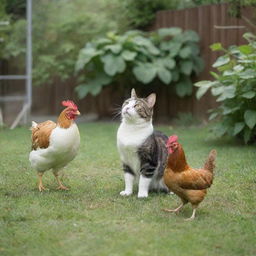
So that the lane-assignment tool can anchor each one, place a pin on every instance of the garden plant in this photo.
(235, 89)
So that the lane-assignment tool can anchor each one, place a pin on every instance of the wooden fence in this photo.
(211, 22)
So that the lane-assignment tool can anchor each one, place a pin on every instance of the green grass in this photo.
(92, 219)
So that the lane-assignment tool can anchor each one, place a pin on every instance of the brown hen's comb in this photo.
(70, 104)
(173, 138)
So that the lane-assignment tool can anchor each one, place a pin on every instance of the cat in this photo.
(142, 150)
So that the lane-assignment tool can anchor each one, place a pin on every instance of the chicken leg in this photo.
(193, 214)
(61, 186)
(40, 183)
(174, 210)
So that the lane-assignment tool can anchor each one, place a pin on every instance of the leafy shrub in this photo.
(168, 54)
(235, 89)
(60, 30)
(141, 13)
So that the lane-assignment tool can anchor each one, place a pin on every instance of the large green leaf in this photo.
(228, 93)
(115, 48)
(250, 118)
(248, 74)
(186, 67)
(145, 72)
(113, 64)
(85, 57)
(191, 35)
(203, 83)
(93, 86)
(201, 91)
(245, 49)
(238, 68)
(84, 89)
(164, 75)
(238, 128)
(142, 41)
(102, 41)
(249, 95)
(213, 115)
(216, 91)
(222, 60)
(129, 55)
(169, 63)
(203, 87)
(185, 52)
(194, 48)
(216, 47)
(163, 32)
(184, 87)
(173, 47)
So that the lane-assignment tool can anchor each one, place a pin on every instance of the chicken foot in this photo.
(40, 183)
(61, 186)
(193, 214)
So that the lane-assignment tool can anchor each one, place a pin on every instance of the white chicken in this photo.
(54, 145)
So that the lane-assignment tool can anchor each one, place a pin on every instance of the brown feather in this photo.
(41, 134)
(63, 121)
(210, 162)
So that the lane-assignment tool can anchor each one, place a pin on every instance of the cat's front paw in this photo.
(125, 193)
(142, 195)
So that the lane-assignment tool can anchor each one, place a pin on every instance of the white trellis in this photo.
(27, 97)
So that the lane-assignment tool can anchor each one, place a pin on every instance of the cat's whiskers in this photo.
(117, 112)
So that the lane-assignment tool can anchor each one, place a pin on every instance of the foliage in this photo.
(4, 27)
(140, 13)
(235, 89)
(16, 8)
(168, 54)
(57, 39)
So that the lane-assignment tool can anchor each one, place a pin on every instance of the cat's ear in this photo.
(151, 100)
(133, 93)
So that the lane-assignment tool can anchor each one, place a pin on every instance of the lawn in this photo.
(92, 219)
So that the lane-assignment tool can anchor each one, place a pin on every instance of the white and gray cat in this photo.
(142, 150)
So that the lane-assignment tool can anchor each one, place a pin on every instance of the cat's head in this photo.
(138, 110)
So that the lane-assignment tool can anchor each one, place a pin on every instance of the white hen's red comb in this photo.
(70, 104)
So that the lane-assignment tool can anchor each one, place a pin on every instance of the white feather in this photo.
(33, 125)
(63, 147)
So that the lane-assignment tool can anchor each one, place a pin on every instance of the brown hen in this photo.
(186, 182)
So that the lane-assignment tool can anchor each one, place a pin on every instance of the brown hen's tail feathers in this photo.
(210, 162)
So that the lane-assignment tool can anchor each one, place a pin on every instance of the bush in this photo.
(141, 13)
(235, 89)
(60, 30)
(168, 54)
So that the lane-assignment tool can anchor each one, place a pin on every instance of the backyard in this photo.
(93, 219)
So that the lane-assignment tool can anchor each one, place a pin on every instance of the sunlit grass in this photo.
(92, 219)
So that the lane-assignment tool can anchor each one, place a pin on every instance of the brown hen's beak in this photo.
(78, 113)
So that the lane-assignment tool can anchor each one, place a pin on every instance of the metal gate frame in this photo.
(27, 97)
